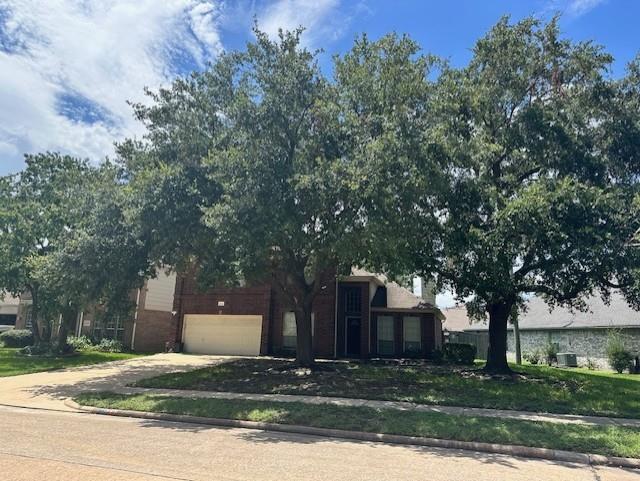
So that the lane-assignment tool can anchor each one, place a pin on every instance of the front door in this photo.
(353, 336)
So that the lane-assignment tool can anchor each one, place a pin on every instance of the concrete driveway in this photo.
(48, 390)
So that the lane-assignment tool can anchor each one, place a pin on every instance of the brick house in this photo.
(357, 316)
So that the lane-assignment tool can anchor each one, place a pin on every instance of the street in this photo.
(49, 445)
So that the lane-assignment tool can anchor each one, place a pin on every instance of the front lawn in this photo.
(13, 364)
(539, 388)
(607, 440)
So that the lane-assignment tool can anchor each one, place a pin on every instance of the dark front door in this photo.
(353, 336)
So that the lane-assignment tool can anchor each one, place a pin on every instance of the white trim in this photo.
(135, 321)
(335, 323)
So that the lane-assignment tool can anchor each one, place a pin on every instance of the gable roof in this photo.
(599, 316)
(398, 297)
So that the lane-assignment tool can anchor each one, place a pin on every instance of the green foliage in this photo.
(619, 357)
(16, 338)
(437, 356)
(459, 353)
(109, 345)
(532, 357)
(533, 195)
(550, 352)
(80, 343)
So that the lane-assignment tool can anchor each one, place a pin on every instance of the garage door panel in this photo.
(222, 334)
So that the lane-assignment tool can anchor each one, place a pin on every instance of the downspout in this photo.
(80, 321)
(135, 321)
(335, 322)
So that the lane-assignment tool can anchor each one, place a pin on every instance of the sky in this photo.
(68, 68)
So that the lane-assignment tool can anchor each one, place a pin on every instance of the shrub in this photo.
(591, 364)
(81, 343)
(459, 353)
(551, 353)
(619, 358)
(16, 338)
(436, 356)
(109, 345)
(532, 357)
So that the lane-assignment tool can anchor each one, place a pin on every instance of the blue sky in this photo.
(68, 67)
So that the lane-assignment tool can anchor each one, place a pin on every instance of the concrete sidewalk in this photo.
(398, 405)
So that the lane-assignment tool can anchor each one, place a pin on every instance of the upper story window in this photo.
(353, 300)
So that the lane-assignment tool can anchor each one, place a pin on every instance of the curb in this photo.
(512, 450)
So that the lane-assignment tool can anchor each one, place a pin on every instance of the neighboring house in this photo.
(582, 333)
(148, 330)
(359, 316)
(8, 312)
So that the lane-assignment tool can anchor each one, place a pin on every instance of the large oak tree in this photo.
(538, 155)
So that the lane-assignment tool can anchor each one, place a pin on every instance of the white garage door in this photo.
(222, 334)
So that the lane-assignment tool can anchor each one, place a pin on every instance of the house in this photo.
(582, 333)
(8, 312)
(357, 316)
(148, 330)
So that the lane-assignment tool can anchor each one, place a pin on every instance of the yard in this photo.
(537, 388)
(13, 364)
(609, 440)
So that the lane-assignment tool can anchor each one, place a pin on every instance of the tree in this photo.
(538, 152)
(256, 168)
(101, 259)
(41, 205)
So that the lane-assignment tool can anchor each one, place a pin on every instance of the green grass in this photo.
(607, 440)
(13, 364)
(537, 388)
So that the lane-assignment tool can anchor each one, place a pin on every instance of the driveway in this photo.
(57, 446)
(48, 390)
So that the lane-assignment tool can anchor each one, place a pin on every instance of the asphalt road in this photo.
(52, 445)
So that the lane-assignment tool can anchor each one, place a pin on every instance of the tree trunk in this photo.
(497, 352)
(304, 336)
(516, 337)
(35, 329)
(69, 317)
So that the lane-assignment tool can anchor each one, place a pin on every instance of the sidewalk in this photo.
(399, 405)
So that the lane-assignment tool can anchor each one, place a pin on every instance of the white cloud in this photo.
(91, 57)
(322, 19)
(580, 7)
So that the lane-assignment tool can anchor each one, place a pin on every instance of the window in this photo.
(289, 330)
(412, 335)
(352, 300)
(109, 328)
(385, 335)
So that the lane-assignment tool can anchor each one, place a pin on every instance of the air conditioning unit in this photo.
(567, 359)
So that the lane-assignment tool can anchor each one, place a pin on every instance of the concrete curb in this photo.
(511, 450)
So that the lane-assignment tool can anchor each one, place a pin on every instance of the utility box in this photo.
(567, 359)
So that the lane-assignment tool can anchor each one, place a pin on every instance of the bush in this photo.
(551, 353)
(619, 358)
(16, 338)
(459, 353)
(532, 357)
(81, 343)
(109, 345)
(436, 356)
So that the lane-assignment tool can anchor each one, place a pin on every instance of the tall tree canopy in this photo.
(537, 189)
(252, 171)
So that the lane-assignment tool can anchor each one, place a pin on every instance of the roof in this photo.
(457, 319)
(398, 297)
(538, 316)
